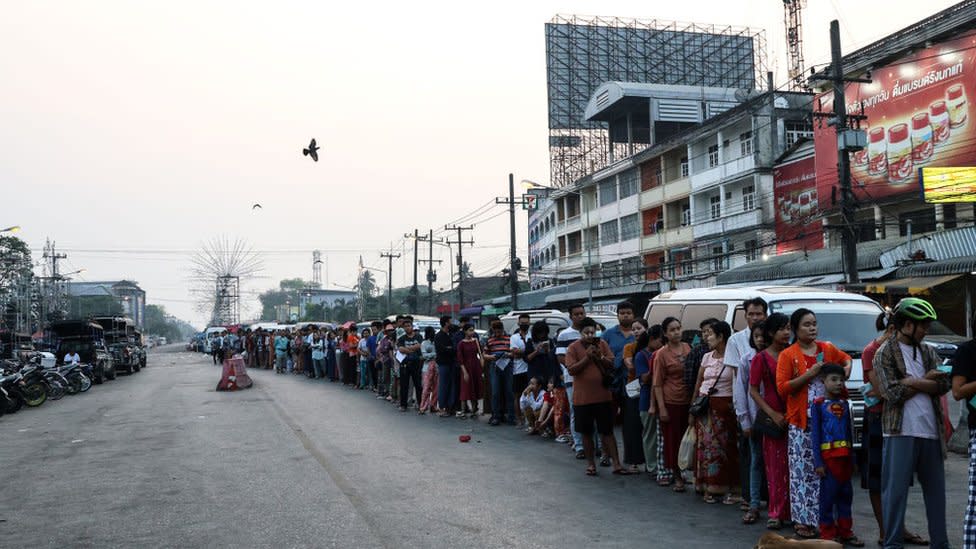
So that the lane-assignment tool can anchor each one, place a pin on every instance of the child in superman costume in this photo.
(833, 457)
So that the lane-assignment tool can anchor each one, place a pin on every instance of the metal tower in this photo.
(793, 22)
(227, 303)
(317, 269)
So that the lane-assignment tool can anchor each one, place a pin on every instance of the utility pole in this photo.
(847, 140)
(515, 264)
(431, 275)
(389, 278)
(460, 258)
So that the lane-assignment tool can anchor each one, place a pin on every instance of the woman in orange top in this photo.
(671, 397)
(798, 381)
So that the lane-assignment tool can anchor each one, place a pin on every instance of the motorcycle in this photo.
(32, 388)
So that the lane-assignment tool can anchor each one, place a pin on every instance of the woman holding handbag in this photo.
(717, 463)
(771, 418)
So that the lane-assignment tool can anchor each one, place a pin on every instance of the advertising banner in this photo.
(948, 185)
(918, 115)
(798, 222)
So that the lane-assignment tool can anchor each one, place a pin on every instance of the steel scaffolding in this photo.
(583, 52)
(227, 301)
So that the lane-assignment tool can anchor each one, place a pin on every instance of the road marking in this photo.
(77, 440)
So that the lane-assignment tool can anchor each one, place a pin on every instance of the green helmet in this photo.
(915, 309)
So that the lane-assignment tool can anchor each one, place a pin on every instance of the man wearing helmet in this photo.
(914, 440)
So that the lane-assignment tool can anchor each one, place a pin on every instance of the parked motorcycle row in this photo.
(34, 378)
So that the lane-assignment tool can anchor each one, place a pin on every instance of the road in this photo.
(159, 459)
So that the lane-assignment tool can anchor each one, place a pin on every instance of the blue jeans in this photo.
(578, 438)
(445, 386)
(319, 366)
(752, 470)
(364, 373)
(501, 393)
(902, 457)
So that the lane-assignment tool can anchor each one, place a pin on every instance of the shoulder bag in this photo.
(699, 406)
(764, 424)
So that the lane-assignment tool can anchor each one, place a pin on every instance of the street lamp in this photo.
(11, 229)
(589, 254)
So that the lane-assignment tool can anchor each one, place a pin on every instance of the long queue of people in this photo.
(760, 415)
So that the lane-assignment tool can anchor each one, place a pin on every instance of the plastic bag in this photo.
(686, 451)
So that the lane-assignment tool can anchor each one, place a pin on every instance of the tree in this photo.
(465, 271)
(16, 282)
(289, 291)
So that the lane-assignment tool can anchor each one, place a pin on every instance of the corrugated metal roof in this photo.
(959, 265)
(938, 246)
(812, 264)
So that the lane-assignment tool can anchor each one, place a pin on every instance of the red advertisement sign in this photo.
(918, 113)
(798, 222)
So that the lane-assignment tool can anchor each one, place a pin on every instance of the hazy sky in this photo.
(130, 132)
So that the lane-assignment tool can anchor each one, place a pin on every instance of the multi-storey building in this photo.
(693, 202)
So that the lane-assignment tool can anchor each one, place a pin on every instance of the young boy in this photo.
(833, 457)
(531, 403)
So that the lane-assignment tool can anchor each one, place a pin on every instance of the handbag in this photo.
(699, 406)
(764, 424)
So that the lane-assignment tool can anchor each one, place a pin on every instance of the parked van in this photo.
(556, 319)
(209, 335)
(847, 320)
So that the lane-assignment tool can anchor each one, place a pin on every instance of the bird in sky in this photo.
(312, 150)
(256, 207)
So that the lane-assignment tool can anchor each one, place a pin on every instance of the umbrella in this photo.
(348, 325)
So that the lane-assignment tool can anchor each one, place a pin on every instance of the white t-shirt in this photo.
(517, 342)
(918, 415)
(563, 341)
(72, 358)
(739, 355)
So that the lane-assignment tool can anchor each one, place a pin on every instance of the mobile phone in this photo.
(820, 357)
(972, 402)
(944, 368)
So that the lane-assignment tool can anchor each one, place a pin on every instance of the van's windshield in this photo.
(849, 325)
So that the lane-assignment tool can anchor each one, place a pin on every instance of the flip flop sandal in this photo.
(622, 472)
(750, 517)
(912, 539)
(678, 488)
(804, 532)
(591, 471)
(774, 524)
(729, 499)
(710, 499)
(605, 462)
(853, 541)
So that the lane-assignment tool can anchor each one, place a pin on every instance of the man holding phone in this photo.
(914, 438)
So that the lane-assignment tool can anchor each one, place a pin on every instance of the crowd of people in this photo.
(750, 419)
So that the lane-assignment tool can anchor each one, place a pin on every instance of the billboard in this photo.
(948, 185)
(799, 225)
(918, 115)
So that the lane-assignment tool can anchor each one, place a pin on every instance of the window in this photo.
(695, 314)
(685, 214)
(629, 227)
(715, 207)
(745, 143)
(797, 130)
(608, 192)
(629, 183)
(752, 250)
(609, 233)
(684, 167)
(718, 258)
(592, 238)
(713, 156)
(748, 198)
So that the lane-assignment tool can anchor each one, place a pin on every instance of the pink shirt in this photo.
(712, 367)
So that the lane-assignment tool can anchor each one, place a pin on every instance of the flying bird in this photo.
(312, 150)
(256, 206)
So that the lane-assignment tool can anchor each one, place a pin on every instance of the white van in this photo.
(556, 319)
(844, 319)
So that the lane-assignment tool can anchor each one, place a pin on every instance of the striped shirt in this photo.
(563, 341)
(499, 344)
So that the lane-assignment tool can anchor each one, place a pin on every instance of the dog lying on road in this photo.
(770, 540)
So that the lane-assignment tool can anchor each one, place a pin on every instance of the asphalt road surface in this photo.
(159, 459)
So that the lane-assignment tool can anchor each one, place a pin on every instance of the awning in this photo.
(918, 285)
(471, 311)
(490, 310)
